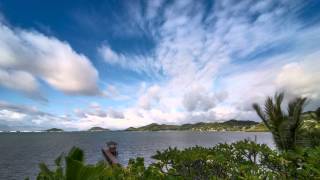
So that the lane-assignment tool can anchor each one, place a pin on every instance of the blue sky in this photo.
(118, 64)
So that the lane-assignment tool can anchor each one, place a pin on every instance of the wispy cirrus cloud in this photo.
(138, 63)
(209, 62)
(196, 43)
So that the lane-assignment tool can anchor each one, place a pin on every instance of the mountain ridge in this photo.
(54, 130)
(231, 125)
(97, 128)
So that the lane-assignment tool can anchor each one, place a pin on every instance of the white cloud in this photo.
(301, 78)
(207, 59)
(153, 8)
(11, 115)
(19, 80)
(208, 64)
(150, 97)
(23, 117)
(115, 114)
(109, 55)
(138, 63)
(33, 55)
(95, 110)
(296, 75)
(197, 99)
(112, 92)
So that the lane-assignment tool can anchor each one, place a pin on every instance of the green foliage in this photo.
(290, 129)
(296, 134)
(239, 160)
(258, 128)
(316, 114)
(231, 125)
(76, 169)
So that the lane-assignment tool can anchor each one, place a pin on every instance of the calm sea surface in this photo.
(20, 153)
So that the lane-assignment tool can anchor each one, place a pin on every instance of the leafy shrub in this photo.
(239, 160)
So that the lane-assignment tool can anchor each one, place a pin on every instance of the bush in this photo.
(240, 160)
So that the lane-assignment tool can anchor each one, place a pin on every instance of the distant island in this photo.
(231, 125)
(94, 129)
(54, 130)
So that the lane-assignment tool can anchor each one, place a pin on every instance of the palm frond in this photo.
(284, 127)
(258, 110)
(316, 115)
(76, 154)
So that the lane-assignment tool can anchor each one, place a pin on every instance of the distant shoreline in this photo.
(226, 126)
(231, 125)
(24, 132)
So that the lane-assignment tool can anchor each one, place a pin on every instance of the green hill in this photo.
(98, 129)
(311, 119)
(231, 125)
(258, 128)
(54, 130)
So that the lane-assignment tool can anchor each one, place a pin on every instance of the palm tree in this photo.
(316, 114)
(284, 127)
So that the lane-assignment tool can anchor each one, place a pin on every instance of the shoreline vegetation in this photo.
(97, 129)
(231, 125)
(225, 126)
(296, 136)
(54, 130)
